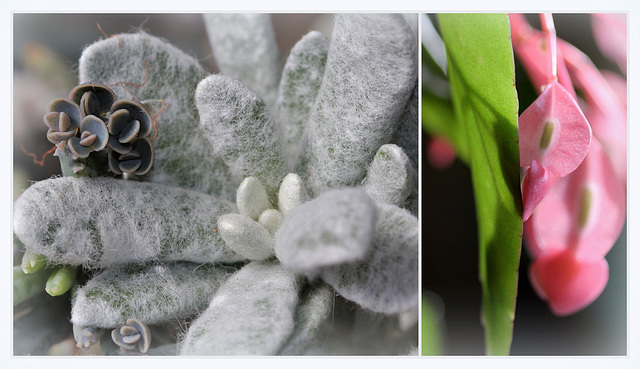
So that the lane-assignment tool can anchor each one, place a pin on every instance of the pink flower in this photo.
(607, 113)
(584, 212)
(571, 231)
(440, 153)
(567, 283)
(610, 33)
(535, 185)
(554, 132)
(574, 184)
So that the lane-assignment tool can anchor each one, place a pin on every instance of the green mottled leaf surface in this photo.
(482, 77)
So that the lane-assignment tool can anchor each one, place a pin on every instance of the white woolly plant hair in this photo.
(105, 222)
(231, 325)
(334, 228)
(376, 283)
(301, 79)
(315, 307)
(151, 293)
(343, 235)
(379, 297)
(238, 125)
(348, 123)
(244, 47)
(406, 137)
(391, 176)
(338, 237)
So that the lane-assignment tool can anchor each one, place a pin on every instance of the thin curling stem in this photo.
(546, 20)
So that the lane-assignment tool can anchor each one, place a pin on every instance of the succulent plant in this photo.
(134, 332)
(63, 121)
(93, 99)
(91, 120)
(218, 235)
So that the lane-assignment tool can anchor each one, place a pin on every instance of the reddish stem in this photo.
(35, 157)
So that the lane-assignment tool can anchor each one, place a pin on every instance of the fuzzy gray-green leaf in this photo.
(151, 293)
(239, 128)
(251, 314)
(245, 48)
(245, 236)
(334, 228)
(252, 198)
(369, 77)
(292, 194)
(105, 222)
(301, 79)
(407, 138)
(391, 176)
(376, 283)
(313, 311)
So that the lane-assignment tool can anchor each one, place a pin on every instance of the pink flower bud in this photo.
(566, 282)
(534, 186)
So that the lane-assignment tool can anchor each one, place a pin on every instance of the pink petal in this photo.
(610, 34)
(600, 222)
(554, 132)
(440, 153)
(567, 283)
(534, 186)
(606, 111)
(547, 228)
(589, 79)
(613, 141)
(618, 84)
(598, 92)
(528, 45)
(584, 211)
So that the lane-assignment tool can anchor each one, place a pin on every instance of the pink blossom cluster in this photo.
(573, 154)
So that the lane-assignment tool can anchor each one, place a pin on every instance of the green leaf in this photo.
(431, 326)
(439, 120)
(481, 72)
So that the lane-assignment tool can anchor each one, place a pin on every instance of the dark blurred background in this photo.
(450, 256)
